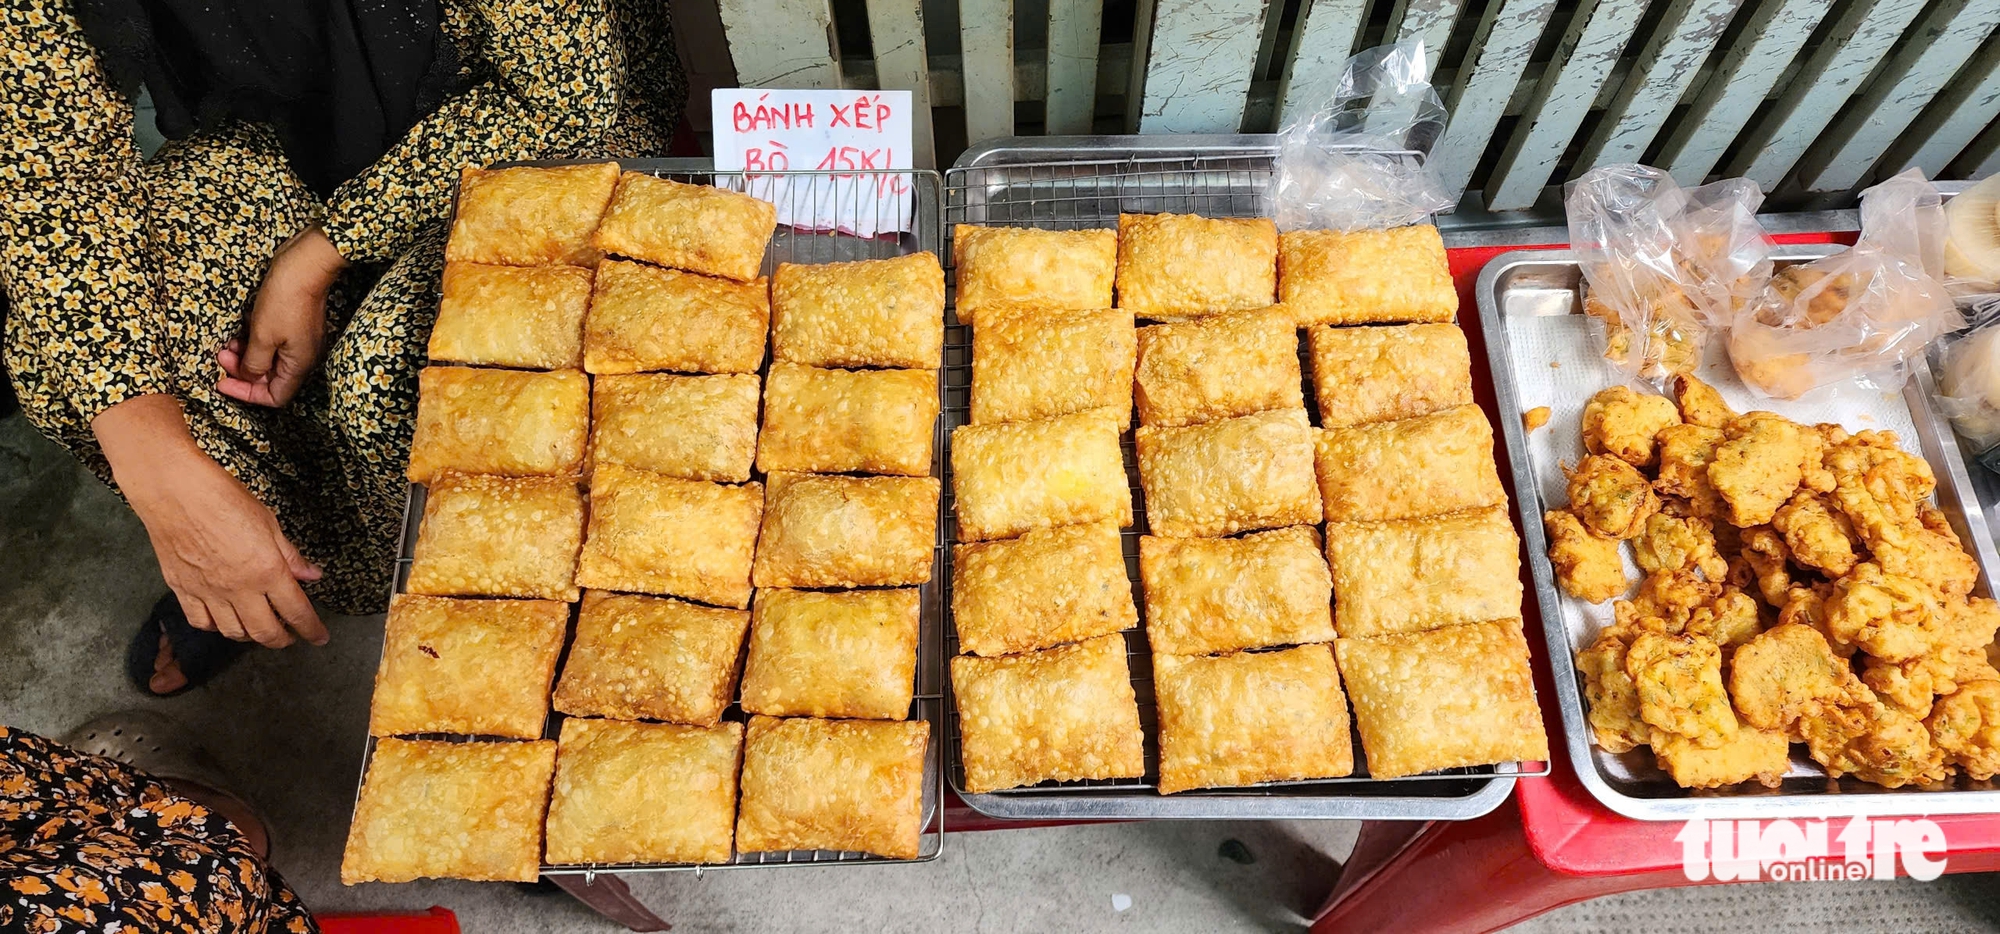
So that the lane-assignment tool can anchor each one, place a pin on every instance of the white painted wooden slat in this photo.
(1948, 35)
(1595, 38)
(1429, 20)
(1321, 42)
(1500, 48)
(1665, 65)
(1198, 68)
(1968, 105)
(1860, 37)
(781, 43)
(1731, 96)
(986, 34)
(1074, 29)
(1981, 158)
(1142, 45)
(896, 31)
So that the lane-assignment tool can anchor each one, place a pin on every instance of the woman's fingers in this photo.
(259, 623)
(301, 568)
(226, 623)
(296, 610)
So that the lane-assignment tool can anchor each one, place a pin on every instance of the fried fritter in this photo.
(1909, 686)
(1700, 404)
(1969, 622)
(1875, 743)
(1621, 422)
(1768, 555)
(1679, 682)
(1684, 454)
(1587, 565)
(1888, 616)
(1611, 497)
(1786, 673)
(1750, 754)
(1965, 725)
(1668, 543)
(1806, 606)
(1729, 620)
(1817, 536)
(1759, 465)
(1672, 595)
(1613, 699)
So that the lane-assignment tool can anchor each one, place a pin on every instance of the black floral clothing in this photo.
(125, 277)
(90, 844)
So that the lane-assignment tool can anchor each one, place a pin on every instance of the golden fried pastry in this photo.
(873, 312)
(1817, 536)
(1912, 684)
(1047, 587)
(1877, 744)
(691, 427)
(467, 666)
(1610, 496)
(1729, 620)
(651, 657)
(1969, 623)
(1672, 594)
(1217, 367)
(848, 421)
(1679, 681)
(693, 227)
(1423, 466)
(1414, 574)
(683, 538)
(1622, 423)
(1762, 756)
(1231, 720)
(1380, 374)
(846, 531)
(1965, 726)
(520, 316)
(645, 318)
(1209, 595)
(1055, 715)
(1684, 455)
(1806, 606)
(488, 536)
(1177, 266)
(1700, 404)
(1047, 269)
(846, 785)
(1033, 363)
(1787, 673)
(1770, 561)
(1366, 276)
(1888, 616)
(450, 811)
(1668, 543)
(644, 793)
(1612, 698)
(1014, 477)
(1587, 565)
(529, 216)
(1535, 418)
(1758, 466)
(851, 654)
(1236, 475)
(1441, 699)
(499, 422)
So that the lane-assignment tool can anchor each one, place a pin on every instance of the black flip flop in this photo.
(201, 655)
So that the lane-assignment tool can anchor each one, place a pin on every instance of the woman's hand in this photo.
(287, 324)
(220, 550)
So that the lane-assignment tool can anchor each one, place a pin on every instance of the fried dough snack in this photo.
(1888, 616)
(1965, 725)
(1611, 497)
(1758, 466)
(1788, 673)
(1614, 699)
(1700, 404)
(1679, 683)
(1668, 543)
(1876, 743)
(1622, 423)
(1818, 537)
(1587, 565)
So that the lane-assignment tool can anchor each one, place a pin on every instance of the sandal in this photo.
(201, 655)
(156, 745)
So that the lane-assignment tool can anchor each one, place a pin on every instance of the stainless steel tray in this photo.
(1543, 351)
(1081, 182)
(791, 245)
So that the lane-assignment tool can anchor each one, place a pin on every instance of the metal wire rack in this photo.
(801, 242)
(1081, 193)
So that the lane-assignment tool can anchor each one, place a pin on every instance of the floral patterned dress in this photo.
(124, 277)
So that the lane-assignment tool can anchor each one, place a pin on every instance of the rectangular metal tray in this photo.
(1544, 351)
(1082, 182)
(790, 245)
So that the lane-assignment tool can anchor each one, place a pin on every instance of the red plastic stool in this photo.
(435, 921)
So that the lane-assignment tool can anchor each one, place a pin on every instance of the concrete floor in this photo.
(76, 575)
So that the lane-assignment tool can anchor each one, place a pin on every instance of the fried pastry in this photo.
(1015, 477)
(1818, 536)
(644, 318)
(651, 657)
(1762, 756)
(1044, 269)
(1610, 694)
(846, 531)
(1423, 466)
(1209, 595)
(1235, 475)
(1587, 565)
(875, 312)
(1610, 496)
(643, 793)
(851, 654)
(1441, 699)
(1217, 367)
(1240, 719)
(1758, 466)
(1679, 682)
(1047, 587)
(499, 422)
(1055, 715)
(1669, 543)
(690, 427)
(520, 316)
(1414, 574)
(450, 811)
(844, 785)
(1875, 743)
(1684, 454)
(1622, 423)
(1381, 374)
(682, 538)
(693, 227)
(1700, 404)
(529, 216)
(1366, 276)
(1177, 266)
(848, 421)
(488, 536)
(1031, 363)
(1891, 617)
(1965, 726)
(467, 666)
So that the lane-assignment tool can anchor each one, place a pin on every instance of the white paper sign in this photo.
(858, 134)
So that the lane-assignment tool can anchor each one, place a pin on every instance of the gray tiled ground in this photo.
(76, 575)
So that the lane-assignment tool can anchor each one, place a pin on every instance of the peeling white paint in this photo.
(1320, 45)
(986, 33)
(1198, 70)
(1074, 29)
(1505, 39)
(1665, 66)
(1727, 101)
(1968, 105)
(781, 43)
(896, 31)
(1596, 37)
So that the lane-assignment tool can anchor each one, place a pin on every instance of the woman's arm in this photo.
(558, 72)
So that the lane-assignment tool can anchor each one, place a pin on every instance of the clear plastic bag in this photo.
(1969, 390)
(1360, 161)
(1664, 268)
(1861, 313)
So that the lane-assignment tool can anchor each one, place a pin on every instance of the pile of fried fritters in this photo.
(1799, 587)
